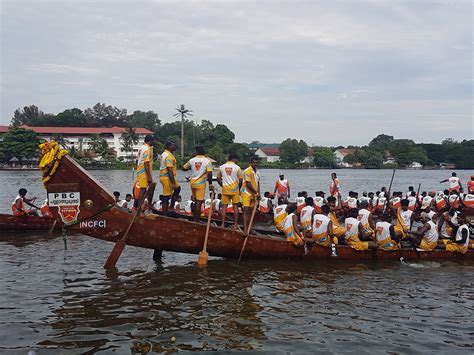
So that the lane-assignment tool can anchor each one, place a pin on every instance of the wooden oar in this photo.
(247, 232)
(388, 192)
(52, 227)
(203, 256)
(120, 244)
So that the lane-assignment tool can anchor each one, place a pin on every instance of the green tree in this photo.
(73, 117)
(30, 115)
(20, 143)
(148, 120)
(382, 141)
(324, 157)
(98, 146)
(293, 151)
(128, 139)
(102, 115)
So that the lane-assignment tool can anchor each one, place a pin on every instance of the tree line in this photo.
(219, 140)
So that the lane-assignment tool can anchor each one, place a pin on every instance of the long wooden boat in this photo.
(77, 198)
(11, 223)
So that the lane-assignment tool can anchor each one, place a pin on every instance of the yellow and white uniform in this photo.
(290, 232)
(350, 202)
(167, 160)
(383, 238)
(320, 230)
(306, 218)
(426, 202)
(145, 157)
(337, 229)
(263, 205)
(200, 167)
(251, 178)
(459, 248)
(403, 221)
(430, 239)
(279, 215)
(352, 235)
(231, 175)
(364, 219)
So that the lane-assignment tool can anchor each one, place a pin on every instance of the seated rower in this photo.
(322, 233)
(189, 208)
(118, 201)
(355, 236)
(366, 219)
(290, 226)
(410, 190)
(454, 200)
(300, 201)
(19, 205)
(335, 207)
(427, 237)
(265, 204)
(404, 219)
(468, 200)
(177, 203)
(351, 200)
(371, 202)
(206, 207)
(440, 201)
(381, 201)
(45, 211)
(395, 201)
(386, 238)
(427, 201)
(445, 229)
(306, 216)
(461, 241)
(412, 201)
(218, 203)
(279, 214)
(364, 197)
(319, 201)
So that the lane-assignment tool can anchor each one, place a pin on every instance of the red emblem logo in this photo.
(69, 213)
(198, 165)
(228, 171)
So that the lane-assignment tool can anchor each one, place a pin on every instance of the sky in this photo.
(327, 71)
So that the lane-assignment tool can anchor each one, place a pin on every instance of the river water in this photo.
(57, 301)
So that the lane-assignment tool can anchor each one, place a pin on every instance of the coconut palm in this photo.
(128, 139)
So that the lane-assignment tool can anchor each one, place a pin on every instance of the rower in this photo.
(454, 199)
(461, 241)
(470, 185)
(395, 200)
(454, 183)
(282, 188)
(371, 202)
(217, 203)
(427, 237)
(290, 226)
(18, 206)
(229, 177)
(427, 200)
(128, 200)
(279, 214)
(354, 235)
(334, 187)
(319, 201)
(469, 200)
(351, 200)
(265, 205)
(410, 190)
(168, 180)
(118, 201)
(440, 200)
(306, 216)
(177, 204)
(322, 231)
(366, 219)
(364, 197)
(386, 238)
(300, 201)
(404, 219)
(250, 190)
(201, 172)
(189, 208)
(144, 168)
(412, 201)
(381, 201)
(45, 211)
(335, 206)
(446, 229)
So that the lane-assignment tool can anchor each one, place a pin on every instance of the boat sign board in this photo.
(57, 199)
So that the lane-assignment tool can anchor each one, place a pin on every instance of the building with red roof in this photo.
(80, 137)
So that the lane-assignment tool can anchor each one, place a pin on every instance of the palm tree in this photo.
(128, 139)
(97, 145)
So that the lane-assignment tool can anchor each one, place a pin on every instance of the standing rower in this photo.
(144, 168)
(250, 190)
(454, 183)
(282, 188)
(229, 178)
(168, 180)
(334, 187)
(201, 172)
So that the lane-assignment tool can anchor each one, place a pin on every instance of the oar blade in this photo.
(115, 254)
(203, 258)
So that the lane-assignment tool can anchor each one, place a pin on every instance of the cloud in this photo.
(327, 72)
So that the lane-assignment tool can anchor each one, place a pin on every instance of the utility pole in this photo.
(184, 113)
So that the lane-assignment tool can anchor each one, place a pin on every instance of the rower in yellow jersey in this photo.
(250, 190)
(201, 169)
(171, 188)
(229, 177)
(144, 168)
(336, 206)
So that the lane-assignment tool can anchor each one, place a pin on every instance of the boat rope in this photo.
(51, 155)
(78, 221)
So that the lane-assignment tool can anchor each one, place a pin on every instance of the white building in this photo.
(340, 154)
(80, 137)
(272, 154)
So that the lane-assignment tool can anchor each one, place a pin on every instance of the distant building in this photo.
(389, 159)
(415, 165)
(80, 137)
(340, 154)
(271, 154)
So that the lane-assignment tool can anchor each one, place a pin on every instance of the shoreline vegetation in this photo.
(19, 146)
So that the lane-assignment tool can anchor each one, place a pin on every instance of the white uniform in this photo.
(306, 215)
(352, 227)
(454, 183)
(188, 207)
(318, 201)
(405, 218)
(426, 202)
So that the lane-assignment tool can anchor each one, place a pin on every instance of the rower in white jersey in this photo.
(279, 214)
(385, 235)
(366, 219)
(306, 217)
(454, 183)
(404, 219)
(426, 239)
(319, 201)
(461, 241)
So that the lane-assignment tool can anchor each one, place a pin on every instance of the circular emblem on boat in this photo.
(88, 204)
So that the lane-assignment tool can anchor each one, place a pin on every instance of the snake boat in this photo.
(12, 223)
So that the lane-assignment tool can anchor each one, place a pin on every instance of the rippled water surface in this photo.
(58, 301)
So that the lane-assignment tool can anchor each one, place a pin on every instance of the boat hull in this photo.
(25, 223)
